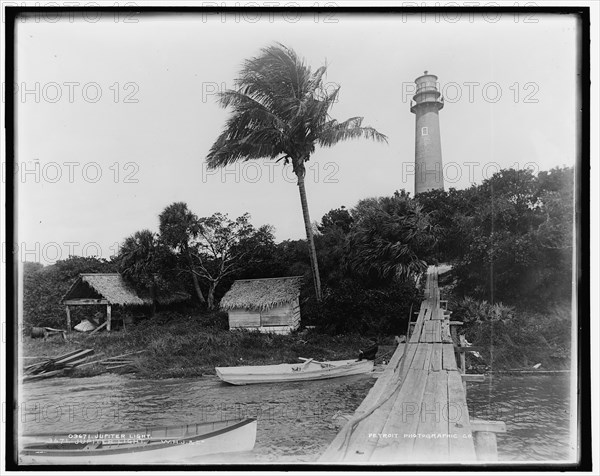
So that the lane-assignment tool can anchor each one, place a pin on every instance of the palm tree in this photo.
(139, 262)
(281, 111)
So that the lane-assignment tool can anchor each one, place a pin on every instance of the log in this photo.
(99, 327)
(77, 355)
(42, 375)
(473, 377)
(53, 359)
(108, 358)
(473, 348)
(488, 425)
(38, 332)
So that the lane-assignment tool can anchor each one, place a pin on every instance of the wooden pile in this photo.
(120, 362)
(64, 363)
(57, 365)
(117, 361)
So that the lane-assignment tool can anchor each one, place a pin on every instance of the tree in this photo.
(179, 227)
(221, 248)
(389, 236)
(514, 238)
(338, 218)
(141, 261)
(280, 110)
(44, 287)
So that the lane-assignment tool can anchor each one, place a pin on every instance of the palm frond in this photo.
(280, 108)
(334, 132)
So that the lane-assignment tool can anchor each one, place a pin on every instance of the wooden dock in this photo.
(417, 410)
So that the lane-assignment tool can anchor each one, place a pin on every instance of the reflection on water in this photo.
(297, 420)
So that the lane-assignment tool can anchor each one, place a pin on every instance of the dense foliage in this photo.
(510, 238)
(44, 287)
(512, 338)
(509, 241)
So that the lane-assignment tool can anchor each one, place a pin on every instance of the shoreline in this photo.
(183, 348)
(174, 345)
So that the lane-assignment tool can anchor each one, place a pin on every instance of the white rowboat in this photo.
(309, 370)
(162, 445)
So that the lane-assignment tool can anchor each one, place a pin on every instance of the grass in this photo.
(184, 346)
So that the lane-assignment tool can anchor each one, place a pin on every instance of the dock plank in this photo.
(448, 358)
(403, 421)
(418, 328)
(357, 447)
(458, 419)
(428, 355)
(437, 331)
(428, 334)
(432, 441)
(445, 330)
(436, 358)
(420, 356)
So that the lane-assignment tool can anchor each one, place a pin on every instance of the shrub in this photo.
(350, 308)
(514, 338)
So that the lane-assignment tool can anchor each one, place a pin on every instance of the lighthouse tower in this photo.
(426, 104)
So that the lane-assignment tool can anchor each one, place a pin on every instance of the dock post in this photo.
(463, 357)
(108, 317)
(68, 318)
(484, 436)
(454, 331)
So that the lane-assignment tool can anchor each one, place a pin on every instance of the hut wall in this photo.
(245, 318)
(280, 319)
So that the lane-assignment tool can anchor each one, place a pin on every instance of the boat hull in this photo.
(237, 437)
(292, 372)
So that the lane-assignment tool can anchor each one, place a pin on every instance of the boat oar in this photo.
(308, 361)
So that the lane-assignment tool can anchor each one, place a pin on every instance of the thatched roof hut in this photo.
(108, 289)
(261, 294)
(267, 304)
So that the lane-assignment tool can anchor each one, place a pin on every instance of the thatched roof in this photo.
(113, 288)
(261, 294)
(109, 286)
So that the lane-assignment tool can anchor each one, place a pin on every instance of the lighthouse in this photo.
(426, 105)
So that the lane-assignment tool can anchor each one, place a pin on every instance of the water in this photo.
(536, 410)
(296, 421)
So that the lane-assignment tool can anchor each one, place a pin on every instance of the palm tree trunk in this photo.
(309, 236)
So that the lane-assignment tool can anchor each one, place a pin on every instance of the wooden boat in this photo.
(167, 445)
(309, 370)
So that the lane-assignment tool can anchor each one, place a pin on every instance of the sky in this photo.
(116, 115)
